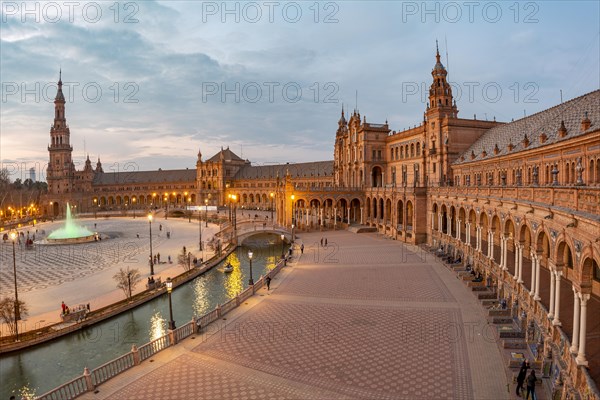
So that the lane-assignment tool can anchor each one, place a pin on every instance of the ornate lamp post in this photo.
(151, 259)
(282, 243)
(133, 200)
(13, 237)
(189, 200)
(206, 215)
(166, 204)
(272, 196)
(169, 290)
(250, 281)
(293, 210)
(95, 207)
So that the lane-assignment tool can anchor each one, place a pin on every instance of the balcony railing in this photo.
(577, 198)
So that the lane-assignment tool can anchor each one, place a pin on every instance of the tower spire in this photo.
(437, 51)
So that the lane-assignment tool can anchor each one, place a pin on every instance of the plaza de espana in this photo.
(520, 201)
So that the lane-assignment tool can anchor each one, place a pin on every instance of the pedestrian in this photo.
(268, 280)
(158, 257)
(325, 242)
(531, 380)
(64, 307)
(138, 235)
(160, 227)
(302, 248)
(521, 376)
(321, 242)
(169, 258)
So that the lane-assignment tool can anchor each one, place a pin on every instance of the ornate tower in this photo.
(61, 170)
(440, 108)
(440, 103)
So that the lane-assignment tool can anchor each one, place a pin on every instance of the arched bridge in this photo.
(244, 230)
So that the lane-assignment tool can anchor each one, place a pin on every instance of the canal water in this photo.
(46, 366)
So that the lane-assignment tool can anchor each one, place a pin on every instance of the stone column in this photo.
(448, 225)
(536, 295)
(517, 269)
(533, 271)
(520, 280)
(348, 216)
(440, 222)
(504, 253)
(361, 216)
(556, 320)
(552, 292)
(581, 360)
(478, 238)
(576, 307)
(468, 233)
(432, 221)
(490, 245)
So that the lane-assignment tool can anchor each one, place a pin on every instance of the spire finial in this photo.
(437, 51)
(60, 76)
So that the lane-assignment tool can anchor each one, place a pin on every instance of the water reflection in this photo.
(200, 303)
(233, 281)
(158, 326)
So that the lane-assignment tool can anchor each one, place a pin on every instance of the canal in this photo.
(46, 366)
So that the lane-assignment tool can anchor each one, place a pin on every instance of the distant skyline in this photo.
(150, 83)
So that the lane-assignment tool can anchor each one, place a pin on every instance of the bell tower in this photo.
(441, 103)
(61, 170)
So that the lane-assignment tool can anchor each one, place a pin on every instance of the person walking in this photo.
(531, 380)
(302, 248)
(64, 307)
(325, 242)
(321, 242)
(521, 376)
(268, 280)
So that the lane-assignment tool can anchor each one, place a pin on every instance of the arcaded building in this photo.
(518, 201)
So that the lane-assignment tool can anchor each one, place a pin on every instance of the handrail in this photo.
(112, 368)
(67, 391)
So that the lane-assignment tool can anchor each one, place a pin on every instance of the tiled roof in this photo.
(228, 155)
(299, 170)
(548, 122)
(160, 176)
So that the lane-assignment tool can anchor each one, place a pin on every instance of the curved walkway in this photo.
(363, 318)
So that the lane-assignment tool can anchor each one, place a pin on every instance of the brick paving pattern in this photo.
(379, 322)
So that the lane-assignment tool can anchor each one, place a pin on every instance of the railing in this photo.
(578, 198)
(149, 349)
(86, 383)
(68, 391)
(112, 368)
(184, 331)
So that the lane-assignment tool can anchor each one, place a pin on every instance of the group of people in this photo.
(324, 242)
(531, 380)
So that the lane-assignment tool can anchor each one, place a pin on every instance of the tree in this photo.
(127, 280)
(183, 259)
(7, 312)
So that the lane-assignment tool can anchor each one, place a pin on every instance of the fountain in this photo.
(71, 233)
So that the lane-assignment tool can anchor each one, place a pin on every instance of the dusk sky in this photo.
(149, 83)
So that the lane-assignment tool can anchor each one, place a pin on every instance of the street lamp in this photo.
(282, 243)
(206, 215)
(95, 202)
(250, 281)
(293, 215)
(167, 205)
(189, 200)
(200, 232)
(151, 259)
(292, 233)
(13, 237)
(169, 290)
(234, 215)
(272, 196)
(133, 200)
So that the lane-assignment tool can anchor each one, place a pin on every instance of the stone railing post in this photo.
(218, 311)
(172, 337)
(88, 379)
(136, 355)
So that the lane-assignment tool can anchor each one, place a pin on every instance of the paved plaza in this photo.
(364, 318)
(83, 273)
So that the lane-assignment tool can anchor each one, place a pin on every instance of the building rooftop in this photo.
(297, 170)
(160, 176)
(526, 133)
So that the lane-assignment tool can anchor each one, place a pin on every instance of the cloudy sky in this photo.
(149, 83)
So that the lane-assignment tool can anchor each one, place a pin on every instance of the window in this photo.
(596, 272)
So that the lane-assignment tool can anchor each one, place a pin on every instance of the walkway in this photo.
(362, 318)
